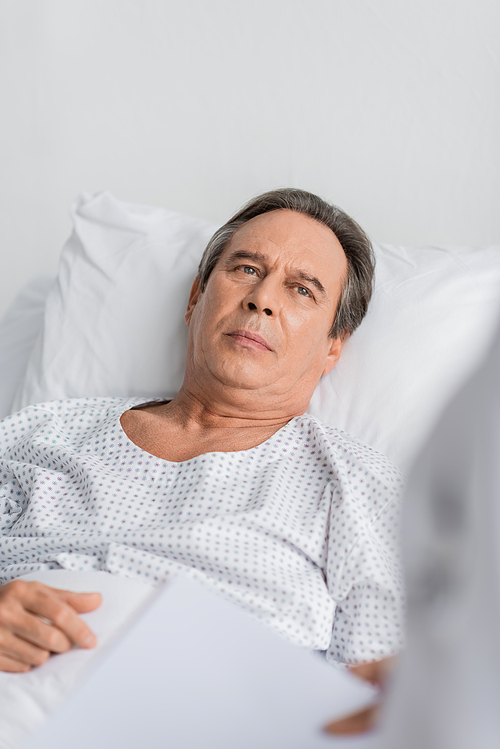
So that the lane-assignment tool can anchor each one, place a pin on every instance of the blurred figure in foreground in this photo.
(446, 694)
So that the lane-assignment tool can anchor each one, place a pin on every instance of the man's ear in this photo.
(193, 298)
(334, 351)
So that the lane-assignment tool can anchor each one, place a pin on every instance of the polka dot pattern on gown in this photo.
(300, 530)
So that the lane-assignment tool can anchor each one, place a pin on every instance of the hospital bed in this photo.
(111, 324)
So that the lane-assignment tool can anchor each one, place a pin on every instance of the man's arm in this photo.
(36, 620)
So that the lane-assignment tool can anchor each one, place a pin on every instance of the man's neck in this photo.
(197, 414)
(188, 426)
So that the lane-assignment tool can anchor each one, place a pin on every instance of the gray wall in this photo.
(390, 109)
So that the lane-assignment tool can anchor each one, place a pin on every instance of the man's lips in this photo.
(249, 336)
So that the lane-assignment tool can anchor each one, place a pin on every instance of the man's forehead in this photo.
(294, 238)
(285, 224)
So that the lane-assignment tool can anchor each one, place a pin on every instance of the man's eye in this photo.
(248, 269)
(303, 291)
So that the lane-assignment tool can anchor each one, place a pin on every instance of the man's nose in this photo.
(262, 298)
(253, 307)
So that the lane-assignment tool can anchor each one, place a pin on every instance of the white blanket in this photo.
(25, 699)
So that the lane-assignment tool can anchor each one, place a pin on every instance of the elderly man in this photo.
(294, 520)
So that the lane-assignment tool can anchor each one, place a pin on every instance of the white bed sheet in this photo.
(189, 654)
(197, 671)
(26, 699)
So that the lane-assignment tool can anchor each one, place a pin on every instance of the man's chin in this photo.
(241, 383)
(243, 376)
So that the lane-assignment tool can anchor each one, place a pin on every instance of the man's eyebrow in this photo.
(258, 257)
(245, 255)
(310, 279)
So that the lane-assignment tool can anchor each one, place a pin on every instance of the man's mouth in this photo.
(252, 338)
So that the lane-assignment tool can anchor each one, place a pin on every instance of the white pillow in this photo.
(114, 320)
(432, 317)
(18, 332)
(114, 324)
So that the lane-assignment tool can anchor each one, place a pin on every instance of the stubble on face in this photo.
(261, 326)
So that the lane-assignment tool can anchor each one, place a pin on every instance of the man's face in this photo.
(262, 322)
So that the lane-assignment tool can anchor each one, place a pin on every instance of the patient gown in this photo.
(301, 530)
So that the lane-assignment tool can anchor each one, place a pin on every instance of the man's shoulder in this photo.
(97, 406)
(345, 447)
(58, 413)
(333, 435)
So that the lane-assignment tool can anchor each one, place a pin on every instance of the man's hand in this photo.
(36, 620)
(377, 673)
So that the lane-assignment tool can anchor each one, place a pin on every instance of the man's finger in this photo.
(12, 666)
(82, 603)
(50, 604)
(27, 626)
(376, 672)
(64, 618)
(363, 720)
(19, 650)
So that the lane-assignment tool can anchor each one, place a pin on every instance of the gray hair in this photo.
(358, 284)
